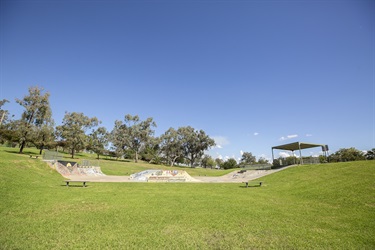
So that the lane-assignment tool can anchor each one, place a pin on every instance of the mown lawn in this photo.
(316, 206)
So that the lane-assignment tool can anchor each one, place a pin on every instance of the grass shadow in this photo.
(253, 186)
(106, 159)
(74, 186)
(25, 153)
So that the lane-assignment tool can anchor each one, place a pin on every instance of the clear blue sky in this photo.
(251, 74)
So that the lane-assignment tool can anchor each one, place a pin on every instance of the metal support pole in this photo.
(300, 154)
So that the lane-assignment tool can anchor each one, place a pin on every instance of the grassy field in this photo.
(330, 206)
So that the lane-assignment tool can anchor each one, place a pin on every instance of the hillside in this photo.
(311, 206)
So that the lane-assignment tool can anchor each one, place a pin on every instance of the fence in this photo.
(89, 163)
(51, 155)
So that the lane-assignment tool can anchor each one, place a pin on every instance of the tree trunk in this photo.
(22, 147)
(192, 160)
(173, 160)
(41, 150)
(136, 157)
(72, 153)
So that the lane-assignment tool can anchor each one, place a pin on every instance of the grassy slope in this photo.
(320, 206)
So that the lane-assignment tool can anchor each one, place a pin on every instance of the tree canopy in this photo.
(132, 134)
(347, 154)
(36, 115)
(247, 159)
(98, 141)
(73, 130)
(194, 143)
(171, 146)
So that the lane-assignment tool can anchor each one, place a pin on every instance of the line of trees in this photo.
(130, 138)
(351, 154)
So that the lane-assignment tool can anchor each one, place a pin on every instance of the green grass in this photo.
(330, 206)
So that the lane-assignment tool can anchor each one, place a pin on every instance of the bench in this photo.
(36, 156)
(251, 182)
(69, 181)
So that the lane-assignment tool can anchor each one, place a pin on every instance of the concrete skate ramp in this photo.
(162, 176)
(67, 169)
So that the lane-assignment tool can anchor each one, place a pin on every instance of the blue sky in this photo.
(251, 74)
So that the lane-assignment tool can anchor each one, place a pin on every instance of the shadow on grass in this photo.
(74, 186)
(25, 152)
(256, 186)
(106, 159)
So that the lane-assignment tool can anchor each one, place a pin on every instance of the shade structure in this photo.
(299, 146)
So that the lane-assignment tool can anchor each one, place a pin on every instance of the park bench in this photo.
(32, 156)
(253, 182)
(69, 181)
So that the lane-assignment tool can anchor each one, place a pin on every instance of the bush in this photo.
(347, 154)
(230, 163)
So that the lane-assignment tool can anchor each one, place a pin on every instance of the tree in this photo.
(230, 163)
(4, 131)
(370, 154)
(3, 113)
(208, 161)
(194, 143)
(347, 154)
(171, 146)
(247, 159)
(219, 162)
(152, 151)
(73, 130)
(262, 160)
(133, 134)
(117, 139)
(44, 136)
(37, 112)
(98, 140)
(10, 132)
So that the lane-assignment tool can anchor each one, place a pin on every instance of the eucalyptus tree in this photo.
(347, 154)
(230, 163)
(262, 160)
(117, 139)
(132, 134)
(152, 151)
(3, 118)
(3, 112)
(247, 159)
(98, 141)
(171, 146)
(208, 161)
(37, 113)
(73, 130)
(219, 162)
(370, 154)
(44, 135)
(194, 143)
